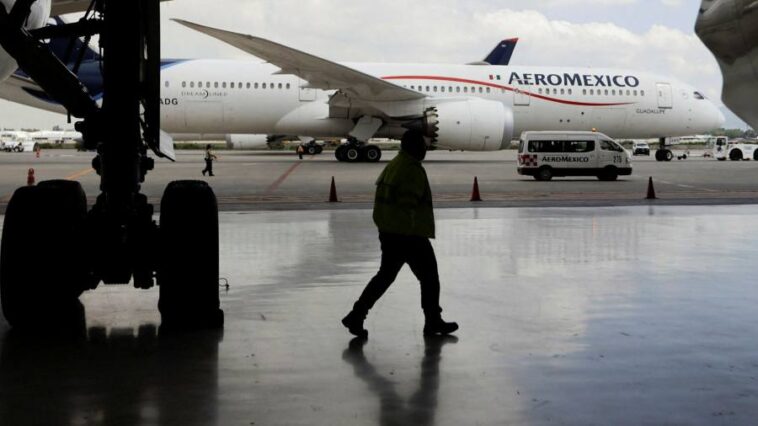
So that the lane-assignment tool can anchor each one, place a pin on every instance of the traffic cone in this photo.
(650, 190)
(30, 178)
(333, 193)
(475, 192)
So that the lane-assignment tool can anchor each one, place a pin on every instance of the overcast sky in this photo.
(651, 35)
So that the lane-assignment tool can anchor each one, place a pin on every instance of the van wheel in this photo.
(544, 174)
(735, 155)
(609, 174)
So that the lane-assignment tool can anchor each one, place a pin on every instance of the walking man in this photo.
(209, 158)
(404, 214)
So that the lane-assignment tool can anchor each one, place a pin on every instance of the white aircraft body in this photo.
(460, 107)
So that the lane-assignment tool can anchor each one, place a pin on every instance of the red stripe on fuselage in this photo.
(498, 86)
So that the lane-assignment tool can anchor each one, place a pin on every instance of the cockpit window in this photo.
(699, 95)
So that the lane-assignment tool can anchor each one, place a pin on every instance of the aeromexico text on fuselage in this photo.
(574, 79)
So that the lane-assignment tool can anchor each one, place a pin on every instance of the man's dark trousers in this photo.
(398, 250)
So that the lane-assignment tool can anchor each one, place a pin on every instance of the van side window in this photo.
(545, 146)
(580, 146)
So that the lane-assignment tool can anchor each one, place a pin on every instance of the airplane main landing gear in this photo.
(663, 153)
(45, 264)
(354, 151)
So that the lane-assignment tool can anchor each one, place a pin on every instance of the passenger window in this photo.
(465, 89)
(606, 92)
(215, 84)
(263, 86)
(481, 90)
(184, 84)
(442, 89)
(489, 90)
(207, 84)
(545, 146)
(255, 86)
(458, 89)
(166, 83)
(280, 85)
(642, 93)
(192, 84)
(569, 91)
(223, 85)
(248, 85)
(427, 89)
(288, 86)
(239, 85)
(539, 91)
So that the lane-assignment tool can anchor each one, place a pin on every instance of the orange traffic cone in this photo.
(30, 178)
(650, 190)
(333, 193)
(475, 192)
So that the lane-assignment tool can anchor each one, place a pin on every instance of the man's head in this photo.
(208, 146)
(414, 144)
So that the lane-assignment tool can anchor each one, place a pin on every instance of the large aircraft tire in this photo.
(352, 154)
(42, 262)
(189, 253)
(372, 153)
(339, 153)
(668, 155)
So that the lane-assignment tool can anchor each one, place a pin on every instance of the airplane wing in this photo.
(26, 92)
(62, 7)
(318, 72)
(729, 28)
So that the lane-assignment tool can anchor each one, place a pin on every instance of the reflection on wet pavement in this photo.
(569, 316)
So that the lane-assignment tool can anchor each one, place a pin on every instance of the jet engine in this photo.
(470, 125)
(247, 141)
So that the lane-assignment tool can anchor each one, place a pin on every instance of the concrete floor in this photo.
(635, 315)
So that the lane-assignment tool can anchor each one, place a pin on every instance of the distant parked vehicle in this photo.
(640, 148)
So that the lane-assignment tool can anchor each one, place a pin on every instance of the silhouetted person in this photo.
(209, 157)
(300, 151)
(404, 214)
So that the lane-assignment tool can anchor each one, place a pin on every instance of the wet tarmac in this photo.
(633, 315)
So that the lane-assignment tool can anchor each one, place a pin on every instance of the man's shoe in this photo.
(203, 172)
(354, 324)
(435, 327)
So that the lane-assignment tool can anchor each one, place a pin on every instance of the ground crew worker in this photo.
(404, 215)
(209, 157)
(300, 151)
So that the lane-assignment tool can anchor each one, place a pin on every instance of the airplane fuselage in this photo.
(228, 96)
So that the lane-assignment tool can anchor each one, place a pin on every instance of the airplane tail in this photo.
(502, 53)
(68, 50)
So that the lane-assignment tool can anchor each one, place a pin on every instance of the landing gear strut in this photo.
(354, 151)
(117, 241)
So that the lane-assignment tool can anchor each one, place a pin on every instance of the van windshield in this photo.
(610, 146)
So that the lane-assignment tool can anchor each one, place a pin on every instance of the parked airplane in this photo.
(459, 107)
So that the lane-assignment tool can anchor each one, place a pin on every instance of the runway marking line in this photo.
(277, 183)
(80, 174)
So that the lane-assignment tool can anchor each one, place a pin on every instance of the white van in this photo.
(547, 154)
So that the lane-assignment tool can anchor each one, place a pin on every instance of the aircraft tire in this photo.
(352, 154)
(189, 253)
(38, 290)
(339, 153)
(668, 155)
(372, 153)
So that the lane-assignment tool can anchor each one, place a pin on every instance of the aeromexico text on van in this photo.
(566, 79)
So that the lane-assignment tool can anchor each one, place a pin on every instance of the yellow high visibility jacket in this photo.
(403, 202)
